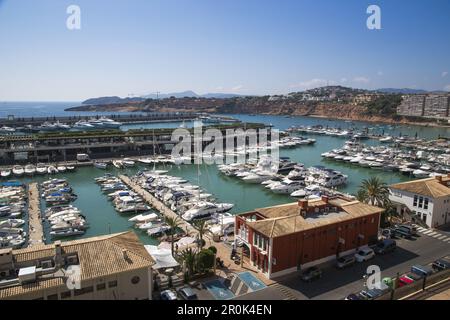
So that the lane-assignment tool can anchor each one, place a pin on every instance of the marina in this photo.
(103, 218)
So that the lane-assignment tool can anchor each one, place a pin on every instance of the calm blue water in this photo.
(103, 218)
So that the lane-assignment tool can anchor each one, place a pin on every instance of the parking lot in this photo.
(337, 284)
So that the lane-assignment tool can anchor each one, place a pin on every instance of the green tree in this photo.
(189, 257)
(173, 223)
(205, 260)
(375, 192)
(200, 226)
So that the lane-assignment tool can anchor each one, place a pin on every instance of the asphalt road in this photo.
(337, 284)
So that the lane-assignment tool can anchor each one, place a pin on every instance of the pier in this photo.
(123, 118)
(158, 205)
(36, 231)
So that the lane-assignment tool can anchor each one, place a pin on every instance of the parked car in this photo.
(423, 271)
(413, 276)
(345, 261)
(168, 295)
(409, 228)
(372, 294)
(187, 293)
(404, 281)
(403, 233)
(311, 274)
(355, 296)
(441, 264)
(388, 233)
(364, 254)
(385, 246)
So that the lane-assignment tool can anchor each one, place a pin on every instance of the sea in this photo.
(103, 219)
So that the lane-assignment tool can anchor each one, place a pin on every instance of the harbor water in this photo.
(103, 219)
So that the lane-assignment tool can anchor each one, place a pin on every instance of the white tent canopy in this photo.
(163, 257)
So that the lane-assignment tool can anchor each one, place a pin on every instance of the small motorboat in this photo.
(41, 168)
(30, 170)
(18, 171)
(5, 173)
(61, 168)
(101, 165)
(52, 170)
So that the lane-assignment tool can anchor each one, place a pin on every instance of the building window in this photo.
(52, 297)
(66, 295)
(101, 286)
(112, 284)
(135, 280)
(81, 291)
(425, 204)
(420, 202)
(415, 201)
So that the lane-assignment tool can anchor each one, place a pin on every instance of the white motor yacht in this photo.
(288, 186)
(206, 209)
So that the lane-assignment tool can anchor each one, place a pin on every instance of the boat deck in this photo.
(36, 231)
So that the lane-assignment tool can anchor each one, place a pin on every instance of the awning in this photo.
(163, 257)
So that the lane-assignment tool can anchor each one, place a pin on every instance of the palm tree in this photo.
(200, 226)
(375, 192)
(189, 258)
(173, 223)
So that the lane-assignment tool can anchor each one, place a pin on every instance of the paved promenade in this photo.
(36, 231)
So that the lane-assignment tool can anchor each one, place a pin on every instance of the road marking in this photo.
(420, 229)
(427, 232)
(436, 235)
(442, 237)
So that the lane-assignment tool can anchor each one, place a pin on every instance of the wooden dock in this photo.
(36, 231)
(158, 205)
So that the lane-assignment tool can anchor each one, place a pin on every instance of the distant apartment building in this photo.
(430, 106)
(426, 199)
(112, 267)
(436, 106)
(412, 105)
(283, 239)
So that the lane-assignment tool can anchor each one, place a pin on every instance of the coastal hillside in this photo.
(332, 102)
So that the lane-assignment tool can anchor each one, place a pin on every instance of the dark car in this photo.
(403, 233)
(311, 274)
(423, 271)
(355, 296)
(441, 264)
(345, 261)
(410, 229)
(187, 293)
(385, 246)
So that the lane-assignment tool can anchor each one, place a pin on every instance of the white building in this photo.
(427, 199)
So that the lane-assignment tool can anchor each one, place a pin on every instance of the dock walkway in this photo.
(36, 231)
(158, 205)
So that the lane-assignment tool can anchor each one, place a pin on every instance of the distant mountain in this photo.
(183, 94)
(110, 100)
(221, 95)
(190, 94)
(401, 91)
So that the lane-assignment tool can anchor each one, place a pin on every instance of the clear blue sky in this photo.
(241, 46)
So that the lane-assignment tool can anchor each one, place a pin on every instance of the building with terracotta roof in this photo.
(286, 238)
(426, 199)
(111, 267)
